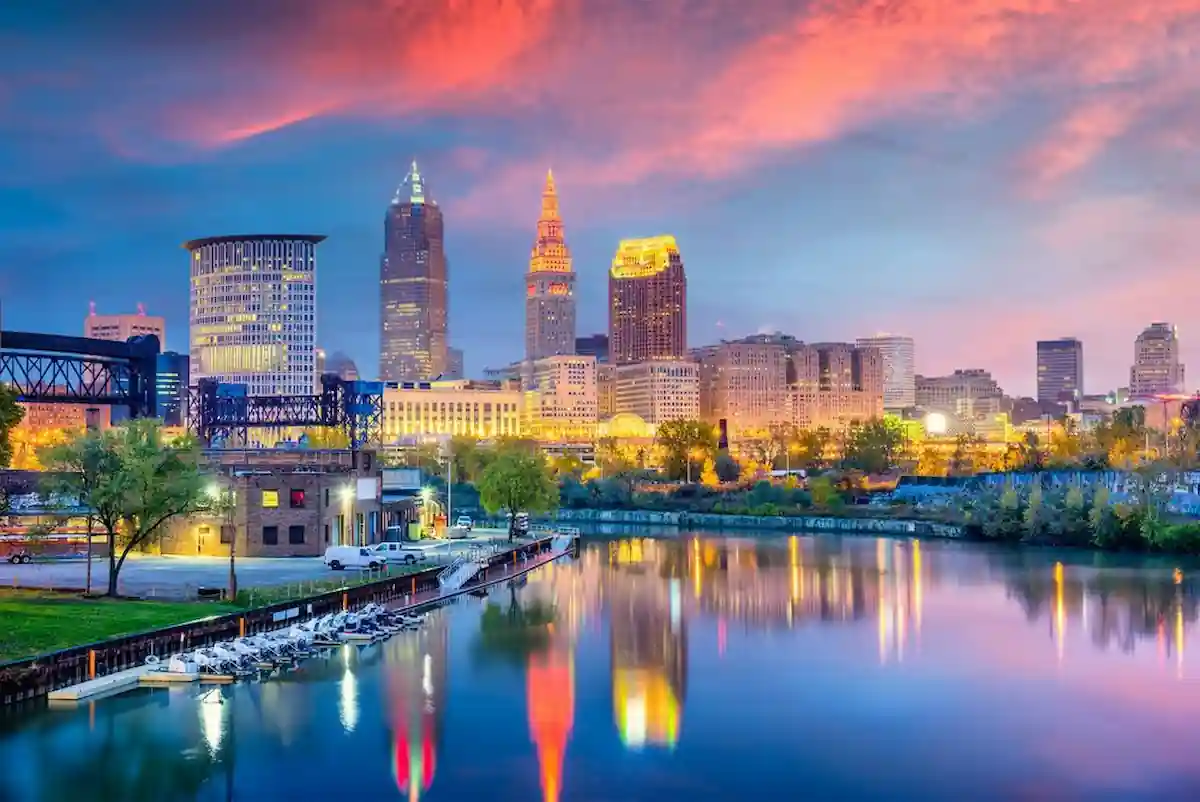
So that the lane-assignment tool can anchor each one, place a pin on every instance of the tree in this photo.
(133, 481)
(811, 445)
(874, 446)
(684, 444)
(708, 474)
(727, 468)
(774, 445)
(468, 458)
(932, 462)
(517, 481)
(11, 414)
(1066, 444)
(964, 460)
(565, 466)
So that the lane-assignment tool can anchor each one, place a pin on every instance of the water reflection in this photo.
(950, 668)
(415, 680)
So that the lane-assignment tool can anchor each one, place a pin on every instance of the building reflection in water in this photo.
(648, 632)
(415, 669)
(551, 699)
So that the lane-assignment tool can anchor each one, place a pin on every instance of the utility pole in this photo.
(229, 503)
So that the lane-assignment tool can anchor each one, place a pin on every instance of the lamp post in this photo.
(224, 502)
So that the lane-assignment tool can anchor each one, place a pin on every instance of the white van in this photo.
(393, 552)
(341, 557)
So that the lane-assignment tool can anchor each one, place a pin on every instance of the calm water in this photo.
(695, 669)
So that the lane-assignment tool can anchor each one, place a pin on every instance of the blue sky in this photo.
(977, 174)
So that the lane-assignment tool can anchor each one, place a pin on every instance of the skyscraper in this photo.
(647, 301)
(549, 286)
(1059, 370)
(171, 388)
(899, 369)
(412, 286)
(1156, 368)
(254, 311)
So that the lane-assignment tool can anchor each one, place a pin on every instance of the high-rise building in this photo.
(1156, 368)
(743, 383)
(254, 311)
(899, 369)
(836, 384)
(1059, 370)
(413, 297)
(647, 301)
(550, 285)
(171, 388)
(339, 362)
(658, 391)
(593, 345)
(121, 327)
(454, 364)
(560, 398)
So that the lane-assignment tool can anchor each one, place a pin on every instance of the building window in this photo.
(270, 535)
(326, 534)
(296, 498)
(226, 534)
(327, 497)
(296, 535)
(270, 499)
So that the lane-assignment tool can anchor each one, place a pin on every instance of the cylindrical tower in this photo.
(254, 311)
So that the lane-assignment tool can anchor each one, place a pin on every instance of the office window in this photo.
(296, 535)
(297, 499)
(226, 534)
(270, 535)
(270, 499)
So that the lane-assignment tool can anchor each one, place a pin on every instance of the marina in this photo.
(262, 655)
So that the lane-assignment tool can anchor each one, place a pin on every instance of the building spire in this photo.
(550, 198)
(413, 186)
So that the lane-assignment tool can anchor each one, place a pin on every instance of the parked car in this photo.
(464, 522)
(394, 552)
(342, 557)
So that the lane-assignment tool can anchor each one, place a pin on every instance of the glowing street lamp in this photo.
(935, 423)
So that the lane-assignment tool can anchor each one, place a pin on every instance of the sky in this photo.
(977, 174)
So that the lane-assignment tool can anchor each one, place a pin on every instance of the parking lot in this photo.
(180, 577)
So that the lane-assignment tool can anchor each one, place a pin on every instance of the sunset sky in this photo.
(975, 173)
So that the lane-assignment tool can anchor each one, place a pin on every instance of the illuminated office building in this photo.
(413, 297)
(254, 311)
(899, 369)
(172, 380)
(1059, 370)
(560, 398)
(120, 328)
(550, 286)
(647, 301)
(657, 391)
(420, 411)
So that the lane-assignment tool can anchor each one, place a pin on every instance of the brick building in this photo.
(288, 504)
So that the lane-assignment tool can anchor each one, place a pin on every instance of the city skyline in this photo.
(882, 200)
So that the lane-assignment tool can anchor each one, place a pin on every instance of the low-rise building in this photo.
(743, 383)
(416, 411)
(835, 385)
(658, 391)
(286, 504)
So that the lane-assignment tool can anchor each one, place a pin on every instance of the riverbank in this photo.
(858, 523)
(36, 622)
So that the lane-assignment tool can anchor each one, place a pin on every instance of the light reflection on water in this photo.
(698, 668)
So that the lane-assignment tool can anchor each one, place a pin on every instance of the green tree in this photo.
(468, 457)
(874, 446)
(811, 445)
(517, 481)
(11, 414)
(963, 461)
(133, 480)
(727, 468)
(565, 466)
(685, 445)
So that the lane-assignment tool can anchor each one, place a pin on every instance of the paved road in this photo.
(179, 577)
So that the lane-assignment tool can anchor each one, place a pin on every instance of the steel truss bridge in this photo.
(51, 368)
(223, 413)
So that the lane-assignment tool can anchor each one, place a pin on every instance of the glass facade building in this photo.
(254, 311)
(413, 290)
(171, 388)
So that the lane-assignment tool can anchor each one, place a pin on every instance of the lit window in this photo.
(270, 499)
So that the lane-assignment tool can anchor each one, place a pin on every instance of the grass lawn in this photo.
(35, 623)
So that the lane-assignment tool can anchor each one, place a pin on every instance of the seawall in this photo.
(779, 523)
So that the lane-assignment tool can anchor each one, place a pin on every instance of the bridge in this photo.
(224, 413)
(52, 368)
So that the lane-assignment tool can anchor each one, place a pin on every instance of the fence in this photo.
(37, 676)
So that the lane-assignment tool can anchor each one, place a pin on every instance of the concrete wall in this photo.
(798, 523)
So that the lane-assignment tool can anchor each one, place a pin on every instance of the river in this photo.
(694, 668)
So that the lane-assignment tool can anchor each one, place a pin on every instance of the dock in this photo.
(121, 681)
